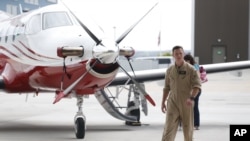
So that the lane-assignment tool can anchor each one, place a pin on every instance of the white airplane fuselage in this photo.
(29, 53)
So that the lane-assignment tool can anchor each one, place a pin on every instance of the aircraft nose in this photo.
(106, 52)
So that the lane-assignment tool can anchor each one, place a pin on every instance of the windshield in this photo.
(55, 19)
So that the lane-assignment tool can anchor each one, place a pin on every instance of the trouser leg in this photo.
(171, 125)
(188, 123)
(196, 111)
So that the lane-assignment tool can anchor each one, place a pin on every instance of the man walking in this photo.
(182, 84)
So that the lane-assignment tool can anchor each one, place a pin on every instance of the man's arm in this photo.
(166, 91)
(196, 84)
(164, 98)
(194, 93)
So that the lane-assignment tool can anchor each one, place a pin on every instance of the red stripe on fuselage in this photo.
(23, 52)
(31, 51)
(3, 48)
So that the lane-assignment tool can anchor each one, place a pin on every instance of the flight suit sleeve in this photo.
(195, 79)
(166, 88)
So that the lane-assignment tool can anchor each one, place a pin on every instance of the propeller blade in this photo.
(131, 67)
(92, 35)
(132, 27)
(146, 95)
(60, 95)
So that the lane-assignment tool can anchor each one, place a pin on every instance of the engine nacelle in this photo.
(70, 51)
(127, 51)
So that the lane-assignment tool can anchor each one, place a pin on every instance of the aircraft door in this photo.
(219, 54)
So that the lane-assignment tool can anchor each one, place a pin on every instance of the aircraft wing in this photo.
(222, 67)
(159, 74)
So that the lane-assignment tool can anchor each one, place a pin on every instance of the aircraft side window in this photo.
(34, 25)
(8, 32)
(17, 30)
(20, 30)
(55, 19)
(3, 33)
(15, 33)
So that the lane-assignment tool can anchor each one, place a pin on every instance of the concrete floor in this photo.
(224, 101)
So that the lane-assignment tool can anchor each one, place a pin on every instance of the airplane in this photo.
(51, 50)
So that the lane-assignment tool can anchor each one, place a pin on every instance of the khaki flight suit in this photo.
(179, 82)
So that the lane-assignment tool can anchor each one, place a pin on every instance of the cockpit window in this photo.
(55, 19)
(34, 24)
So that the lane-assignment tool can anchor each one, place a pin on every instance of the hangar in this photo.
(221, 31)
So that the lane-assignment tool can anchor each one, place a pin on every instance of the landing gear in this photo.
(134, 111)
(133, 107)
(124, 104)
(80, 128)
(80, 120)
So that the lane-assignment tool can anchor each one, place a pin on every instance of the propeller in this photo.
(132, 27)
(92, 35)
(145, 94)
(105, 52)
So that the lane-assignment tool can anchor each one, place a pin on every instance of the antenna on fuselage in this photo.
(20, 8)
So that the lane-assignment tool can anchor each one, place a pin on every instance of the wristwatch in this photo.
(192, 98)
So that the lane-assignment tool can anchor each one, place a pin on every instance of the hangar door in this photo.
(219, 54)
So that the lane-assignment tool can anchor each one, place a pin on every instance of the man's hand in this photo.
(189, 102)
(163, 107)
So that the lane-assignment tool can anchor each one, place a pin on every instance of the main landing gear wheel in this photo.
(134, 112)
(80, 128)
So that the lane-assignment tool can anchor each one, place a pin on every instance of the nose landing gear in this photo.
(80, 120)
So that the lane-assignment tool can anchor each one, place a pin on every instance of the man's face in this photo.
(178, 54)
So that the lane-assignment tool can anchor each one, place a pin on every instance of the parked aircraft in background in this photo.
(52, 50)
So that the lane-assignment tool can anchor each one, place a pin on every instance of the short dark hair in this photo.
(176, 47)
(189, 58)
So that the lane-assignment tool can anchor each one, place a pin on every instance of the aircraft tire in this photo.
(80, 128)
(136, 113)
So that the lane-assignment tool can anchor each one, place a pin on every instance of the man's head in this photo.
(178, 54)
